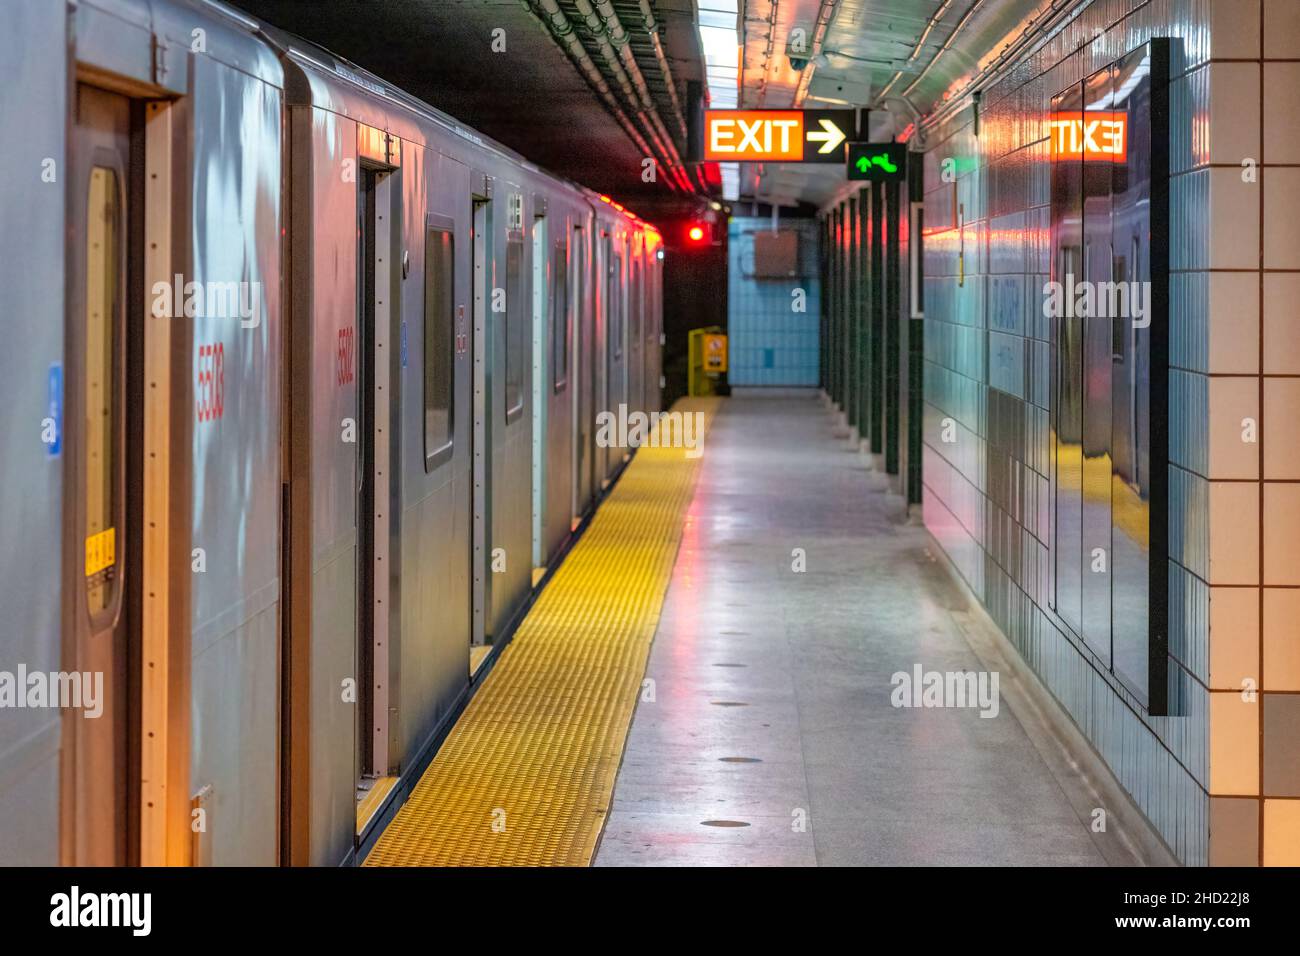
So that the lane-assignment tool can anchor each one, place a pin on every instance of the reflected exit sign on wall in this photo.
(1091, 135)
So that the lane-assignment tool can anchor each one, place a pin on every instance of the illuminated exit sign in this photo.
(777, 136)
(1091, 135)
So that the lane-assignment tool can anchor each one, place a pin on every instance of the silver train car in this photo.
(300, 402)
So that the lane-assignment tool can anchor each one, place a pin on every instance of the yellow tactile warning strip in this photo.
(526, 776)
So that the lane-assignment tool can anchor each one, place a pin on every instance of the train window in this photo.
(103, 238)
(616, 305)
(560, 317)
(439, 344)
(516, 329)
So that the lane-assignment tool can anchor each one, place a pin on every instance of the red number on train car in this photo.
(210, 390)
(344, 373)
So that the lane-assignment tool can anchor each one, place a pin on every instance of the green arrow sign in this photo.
(877, 162)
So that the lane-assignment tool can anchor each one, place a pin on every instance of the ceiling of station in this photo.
(587, 89)
(899, 58)
(593, 121)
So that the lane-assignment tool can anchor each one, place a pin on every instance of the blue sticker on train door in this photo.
(52, 427)
(403, 345)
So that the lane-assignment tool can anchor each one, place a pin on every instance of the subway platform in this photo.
(779, 716)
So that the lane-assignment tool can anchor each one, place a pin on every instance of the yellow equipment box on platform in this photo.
(708, 359)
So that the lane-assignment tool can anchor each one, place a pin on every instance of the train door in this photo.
(583, 332)
(635, 308)
(480, 250)
(611, 353)
(377, 196)
(540, 314)
(104, 398)
(617, 345)
(559, 389)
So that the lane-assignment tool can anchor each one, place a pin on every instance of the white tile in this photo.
(1282, 533)
(1234, 533)
(1234, 637)
(1282, 832)
(1282, 323)
(1281, 639)
(1234, 744)
(1234, 220)
(1281, 109)
(1281, 28)
(1234, 428)
(1282, 428)
(1234, 323)
(1281, 218)
(1234, 29)
(1234, 112)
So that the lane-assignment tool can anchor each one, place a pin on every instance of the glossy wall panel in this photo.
(1025, 491)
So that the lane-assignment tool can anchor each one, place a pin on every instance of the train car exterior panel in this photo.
(324, 562)
(236, 218)
(32, 275)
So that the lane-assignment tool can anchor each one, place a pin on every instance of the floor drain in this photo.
(740, 759)
(723, 823)
(728, 703)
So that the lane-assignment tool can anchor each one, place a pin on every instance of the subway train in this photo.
(300, 397)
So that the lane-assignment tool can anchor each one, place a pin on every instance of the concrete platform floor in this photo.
(771, 738)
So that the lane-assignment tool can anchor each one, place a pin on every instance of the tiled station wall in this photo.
(1220, 781)
(769, 342)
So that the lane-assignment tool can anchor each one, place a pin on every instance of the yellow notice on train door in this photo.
(101, 551)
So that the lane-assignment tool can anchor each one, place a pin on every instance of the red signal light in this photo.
(696, 234)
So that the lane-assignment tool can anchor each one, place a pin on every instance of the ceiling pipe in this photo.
(652, 28)
(933, 22)
(596, 26)
(703, 179)
(825, 13)
(562, 32)
(1050, 15)
(965, 18)
(613, 40)
(767, 54)
(661, 153)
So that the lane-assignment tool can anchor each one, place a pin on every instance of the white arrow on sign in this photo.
(831, 136)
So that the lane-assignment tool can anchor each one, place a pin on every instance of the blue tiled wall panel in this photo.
(769, 342)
